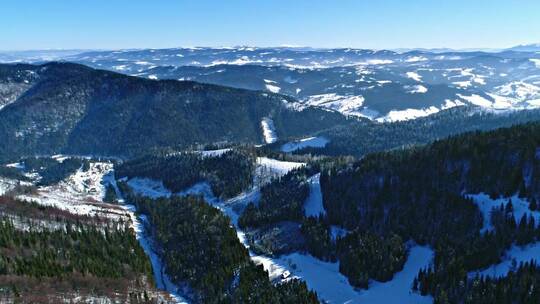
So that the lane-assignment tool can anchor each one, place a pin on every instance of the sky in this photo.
(374, 24)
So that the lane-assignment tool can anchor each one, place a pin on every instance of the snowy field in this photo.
(348, 105)
(314, 142)
(407, 114)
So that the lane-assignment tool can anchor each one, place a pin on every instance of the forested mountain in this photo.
(69, 108)
(363, 137)
(51, 255)
(418, 194)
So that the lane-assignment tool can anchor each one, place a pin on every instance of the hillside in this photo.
(434, 195)
(69, 108)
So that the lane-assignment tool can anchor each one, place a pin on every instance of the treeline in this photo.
(114, 253)
(228, 174)
(200, 247)
(417, 194)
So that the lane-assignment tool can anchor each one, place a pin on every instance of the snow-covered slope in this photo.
(81, 193)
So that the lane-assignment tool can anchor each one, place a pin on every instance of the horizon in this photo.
(385, 25)
(398, 49)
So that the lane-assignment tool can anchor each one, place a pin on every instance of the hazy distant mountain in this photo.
(535, 47)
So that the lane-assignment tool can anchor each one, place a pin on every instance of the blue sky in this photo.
(378, 24)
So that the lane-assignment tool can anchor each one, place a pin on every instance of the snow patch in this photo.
(18, 165)
(416, 59)
(269, 131)
(414, 76)
(277, 166)
(349, 105)
(333, 287)
(416, 89)
(314, 203)
(462, 84)
(7, 185)
(519, 90)
(401, 115)
(451, 104)
(476, 100)
(337, 232)
(377, 62)
(272, 88)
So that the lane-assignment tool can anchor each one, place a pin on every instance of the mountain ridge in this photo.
(71, 108)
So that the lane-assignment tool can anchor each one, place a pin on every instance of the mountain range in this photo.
(378, 85)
